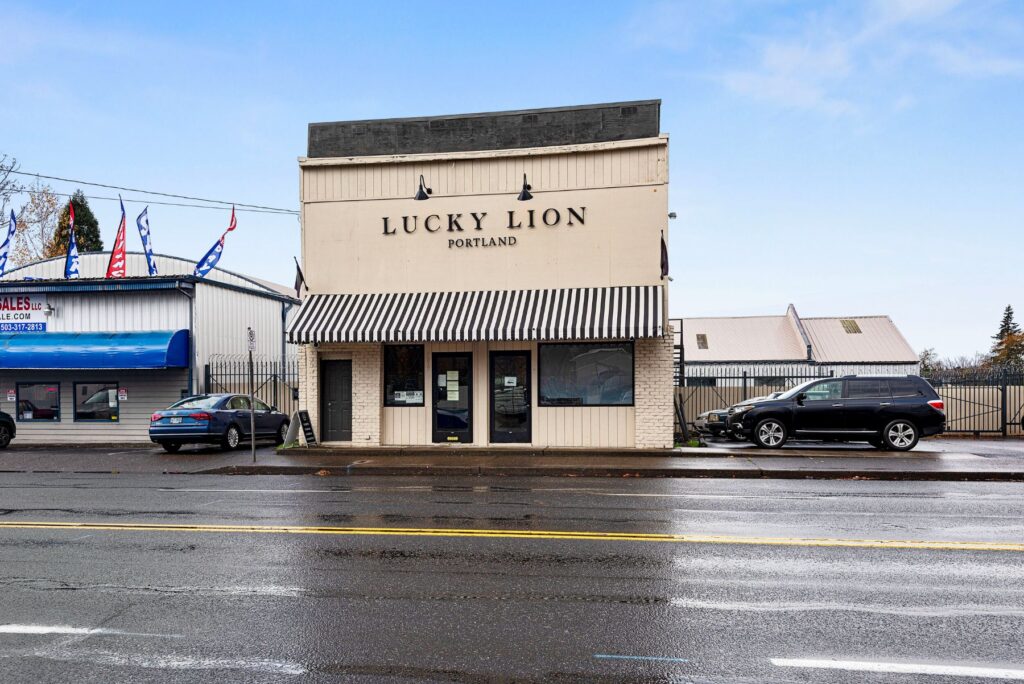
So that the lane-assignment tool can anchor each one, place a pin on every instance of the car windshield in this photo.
(101, 397)
(789, 394)
(197, 402)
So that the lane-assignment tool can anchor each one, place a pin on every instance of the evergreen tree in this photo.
(1008, 347)
(87, 229)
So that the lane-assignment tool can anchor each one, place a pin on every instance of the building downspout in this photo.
(191, 337)
(285, 308)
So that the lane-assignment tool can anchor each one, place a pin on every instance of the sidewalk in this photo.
(709, 462)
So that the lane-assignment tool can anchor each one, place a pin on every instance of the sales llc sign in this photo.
(22, 313)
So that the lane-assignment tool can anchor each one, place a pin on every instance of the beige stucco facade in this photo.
(596, 220)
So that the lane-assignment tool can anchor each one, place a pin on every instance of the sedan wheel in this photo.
(770, 434)
(5, 436)
(900, 435)
(282, 433)
(232, 438)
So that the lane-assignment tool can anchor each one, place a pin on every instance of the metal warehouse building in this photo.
(88, 360)
(765, 347)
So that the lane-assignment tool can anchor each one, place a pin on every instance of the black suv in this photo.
(887, 412)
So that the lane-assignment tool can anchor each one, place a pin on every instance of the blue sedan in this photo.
(222, 419)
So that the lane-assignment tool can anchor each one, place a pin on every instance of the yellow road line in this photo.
(526, 534)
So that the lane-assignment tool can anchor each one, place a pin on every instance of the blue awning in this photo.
(99, 350)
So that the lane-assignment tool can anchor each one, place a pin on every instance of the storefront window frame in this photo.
(389, 402)
(17, 403)
(74, 401)
(540, 373)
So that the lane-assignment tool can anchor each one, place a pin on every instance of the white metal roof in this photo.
(94, 265)
(782, 338)
(879, 340)
(749, 338)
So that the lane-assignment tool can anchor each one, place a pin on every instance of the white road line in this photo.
(261, 491)
(68, 630)
(903, 668)
(162, 662)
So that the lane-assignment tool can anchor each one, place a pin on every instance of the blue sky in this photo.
(851, 158)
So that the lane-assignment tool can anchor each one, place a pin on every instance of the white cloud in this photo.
(890, 13)
(903, 103)
(796, 76)
(974, 63)
(829, 60)
(676, 25)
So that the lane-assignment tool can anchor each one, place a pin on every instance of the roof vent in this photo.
(850, 326)
(702, 341)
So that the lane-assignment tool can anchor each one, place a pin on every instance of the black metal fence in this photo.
(276, 384)
(982, 402)
(977, 402)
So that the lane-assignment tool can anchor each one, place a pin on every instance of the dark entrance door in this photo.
(453, 401)
(510, 396)
(336, 401)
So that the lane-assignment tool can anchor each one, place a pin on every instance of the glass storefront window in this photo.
(96, 401)
(403, 375)
(592, 374)
(39, 401)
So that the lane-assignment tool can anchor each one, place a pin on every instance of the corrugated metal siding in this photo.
(754, 370)
(120, 311)
(221, 319)
(148, 391)
(498, 175)
(879, 340)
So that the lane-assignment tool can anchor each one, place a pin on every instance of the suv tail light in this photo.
(937, 404)
(201, 415)
(155, 417)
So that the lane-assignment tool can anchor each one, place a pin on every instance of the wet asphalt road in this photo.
(188, 606)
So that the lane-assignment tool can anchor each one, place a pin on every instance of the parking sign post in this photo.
(251, 338)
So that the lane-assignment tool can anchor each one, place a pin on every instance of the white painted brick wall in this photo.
(654, 393)
(366, 386)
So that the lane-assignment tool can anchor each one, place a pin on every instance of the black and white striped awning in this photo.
(563, 314)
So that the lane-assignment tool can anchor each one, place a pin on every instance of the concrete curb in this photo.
(752, 472)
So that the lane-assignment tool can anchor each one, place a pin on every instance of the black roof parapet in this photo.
(487, 131)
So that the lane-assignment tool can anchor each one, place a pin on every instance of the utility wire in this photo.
(153, 192)
(132, 200)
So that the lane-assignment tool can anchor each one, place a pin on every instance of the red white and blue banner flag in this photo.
(147, 240)
(118, 264)
(71, 261)
(210, 259)
(5, 248)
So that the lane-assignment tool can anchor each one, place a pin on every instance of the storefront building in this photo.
(487, 279)
(89, 360)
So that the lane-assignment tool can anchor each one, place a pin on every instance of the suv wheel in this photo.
(900, 435)
(232, 438)
(770, 434)
(281, 433)
(5, 436)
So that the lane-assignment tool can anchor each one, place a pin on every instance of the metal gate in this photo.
(977, 402)
(981, 402)
(276, 383)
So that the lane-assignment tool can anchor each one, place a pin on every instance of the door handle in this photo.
(836, 404)
(886, 403)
